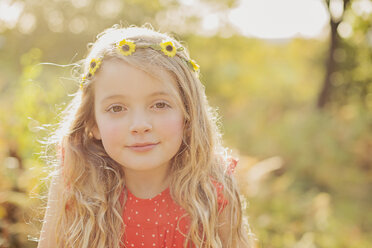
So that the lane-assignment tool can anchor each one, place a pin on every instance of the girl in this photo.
(143, 162)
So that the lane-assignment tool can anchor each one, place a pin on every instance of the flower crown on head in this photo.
(126, 48)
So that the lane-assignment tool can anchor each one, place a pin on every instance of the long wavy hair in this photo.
(91, 211)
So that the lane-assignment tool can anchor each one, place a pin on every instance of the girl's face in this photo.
(133, 108)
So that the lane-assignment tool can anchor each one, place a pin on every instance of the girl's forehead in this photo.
(116, 76)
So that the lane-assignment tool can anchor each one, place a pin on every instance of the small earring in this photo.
(90, 135)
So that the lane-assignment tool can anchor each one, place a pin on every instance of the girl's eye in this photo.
(115, 109)
(161, 105)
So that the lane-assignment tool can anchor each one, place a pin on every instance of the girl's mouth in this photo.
(143, 147)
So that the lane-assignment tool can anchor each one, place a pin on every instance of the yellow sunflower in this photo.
(168, 48)
(82, 81)
(93, 66)
(126, 47)
(195, 66)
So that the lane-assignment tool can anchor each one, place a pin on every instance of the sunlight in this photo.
(272, 19)
(10, 12)
(362, 7)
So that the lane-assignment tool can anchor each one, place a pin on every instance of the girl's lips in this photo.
(144, 148)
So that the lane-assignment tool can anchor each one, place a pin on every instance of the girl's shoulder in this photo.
(233, 162)
(229, 171)
(221, 198)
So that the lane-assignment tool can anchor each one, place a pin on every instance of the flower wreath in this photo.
(126, 48)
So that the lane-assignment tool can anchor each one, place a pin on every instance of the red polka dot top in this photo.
(159, 221)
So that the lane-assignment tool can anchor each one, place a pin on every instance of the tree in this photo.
(334, 43)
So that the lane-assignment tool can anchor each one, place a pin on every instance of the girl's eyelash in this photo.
(166, 104)
(112, 107)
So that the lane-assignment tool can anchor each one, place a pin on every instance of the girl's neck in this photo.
(147, 184)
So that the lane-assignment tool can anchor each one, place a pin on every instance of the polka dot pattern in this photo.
(158, 221)
(153, 222)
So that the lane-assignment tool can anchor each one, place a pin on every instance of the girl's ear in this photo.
(96, 133)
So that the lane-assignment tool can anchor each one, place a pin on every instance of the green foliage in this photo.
(320, 192)
(265, 94)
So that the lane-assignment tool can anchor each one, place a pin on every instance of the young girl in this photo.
(142, 159)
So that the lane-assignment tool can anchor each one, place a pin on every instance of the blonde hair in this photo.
(93, 182)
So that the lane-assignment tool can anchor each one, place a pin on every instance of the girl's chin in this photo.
(144, 165)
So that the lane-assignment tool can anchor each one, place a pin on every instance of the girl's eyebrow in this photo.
(157, 93)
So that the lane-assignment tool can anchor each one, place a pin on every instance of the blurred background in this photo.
(291, 79)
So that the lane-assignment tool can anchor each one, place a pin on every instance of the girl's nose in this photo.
(140, 124)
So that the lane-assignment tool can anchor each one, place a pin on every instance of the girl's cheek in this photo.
(172, 125)
(111, 129)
